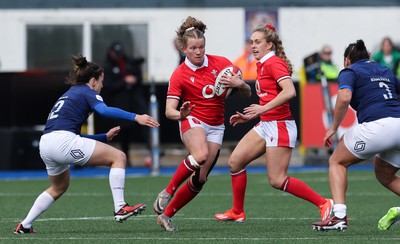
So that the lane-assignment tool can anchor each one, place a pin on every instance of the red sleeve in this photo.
(175, 85)
(279, 70)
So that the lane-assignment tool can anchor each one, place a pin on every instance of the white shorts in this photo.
(278, 133)
(59, 149)
(380, 136)
(213, 133)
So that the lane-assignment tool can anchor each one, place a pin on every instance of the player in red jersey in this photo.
(276, 133)
(201, 118)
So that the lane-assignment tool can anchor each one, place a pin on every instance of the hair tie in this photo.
(189, 29)
(268, 26)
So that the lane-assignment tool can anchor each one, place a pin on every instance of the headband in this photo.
(268, 26)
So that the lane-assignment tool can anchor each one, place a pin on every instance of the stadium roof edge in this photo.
(50, 4)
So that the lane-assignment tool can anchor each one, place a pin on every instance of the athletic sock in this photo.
(42, 203)
(184, 195)
(239, 182)
(300, 189)
(184, 170)
(340, 210)
(117, 185)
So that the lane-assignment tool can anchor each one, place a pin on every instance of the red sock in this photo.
(300, 189)
(239, 182)
(184, 195)
(184, 170)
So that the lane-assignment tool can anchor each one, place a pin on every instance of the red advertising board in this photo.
(314, 121)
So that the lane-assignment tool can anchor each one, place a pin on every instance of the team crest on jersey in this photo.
(215, 73)
(98, 97)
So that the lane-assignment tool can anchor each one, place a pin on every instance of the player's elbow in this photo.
(291, 94)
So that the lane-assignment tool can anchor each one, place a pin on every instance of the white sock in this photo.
(117, 184)
(42, 203)
(339, 210)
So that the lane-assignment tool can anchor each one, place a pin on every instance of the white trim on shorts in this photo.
(59, 149)
(214, 133)
(278, 133)
(379, 137)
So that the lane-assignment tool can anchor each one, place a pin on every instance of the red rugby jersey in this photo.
(269, 73)
(198, 88)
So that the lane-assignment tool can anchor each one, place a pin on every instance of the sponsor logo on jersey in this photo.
(192, 79)
(208, 91)
(258, 90)
(98, 97)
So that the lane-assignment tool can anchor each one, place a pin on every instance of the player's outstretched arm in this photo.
(146, 120)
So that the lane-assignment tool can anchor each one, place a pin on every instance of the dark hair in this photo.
(356, 51)
(83, 71)
(190, 28)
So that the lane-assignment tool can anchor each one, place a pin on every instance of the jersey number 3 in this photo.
(389, 93)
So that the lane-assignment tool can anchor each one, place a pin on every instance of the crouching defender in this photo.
(62, 143)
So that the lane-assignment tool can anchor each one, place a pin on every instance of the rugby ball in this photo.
(219, 89)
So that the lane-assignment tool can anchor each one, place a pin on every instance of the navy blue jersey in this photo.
(374, 88)
(72, 109)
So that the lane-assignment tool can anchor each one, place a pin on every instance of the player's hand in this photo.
(254, 111)
(233, 80)
(238, 118)
(186, 109)
(327, 138)
(146, 120)
(113, 132)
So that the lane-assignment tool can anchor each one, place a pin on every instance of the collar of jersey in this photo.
(267, 56)
(194, 67)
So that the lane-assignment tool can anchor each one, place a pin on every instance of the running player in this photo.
(62, 144)
(201, 118)
(276, 133)
(371, 90)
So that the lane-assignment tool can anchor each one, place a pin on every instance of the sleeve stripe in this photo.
(346, 86)
(282, 78)
(174, 97)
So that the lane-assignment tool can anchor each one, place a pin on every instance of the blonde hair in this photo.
(272, 36)
(190, 28)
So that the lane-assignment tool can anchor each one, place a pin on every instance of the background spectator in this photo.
(388, 56)
(247, 63)
(123, 88)
(328, 69)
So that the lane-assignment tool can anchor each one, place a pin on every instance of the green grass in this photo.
(84, 213)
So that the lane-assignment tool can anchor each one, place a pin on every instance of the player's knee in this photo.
(234, 165)
(119, 159)
(198, 158)
(276, 182)
(333, 161)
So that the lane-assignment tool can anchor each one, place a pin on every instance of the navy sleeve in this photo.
(112, 112)
(346, 79)
(97, 137)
